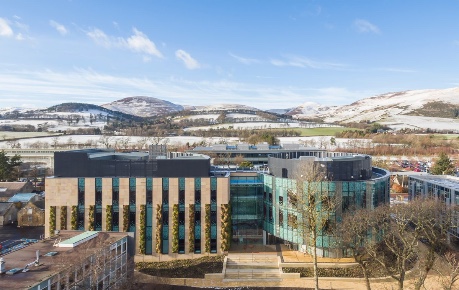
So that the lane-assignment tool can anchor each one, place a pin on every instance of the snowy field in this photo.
(214, 117)
(417, 122)
(249, 125)
(133, 142)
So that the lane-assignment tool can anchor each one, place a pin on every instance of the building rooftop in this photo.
(50, 265)
(22, 197)
(4, 206)
(243, 147)
(8, 189)
(451, 182)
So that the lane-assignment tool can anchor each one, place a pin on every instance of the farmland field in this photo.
(8, 135)
(325, 131)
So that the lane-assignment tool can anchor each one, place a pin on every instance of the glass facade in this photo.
(246, 198)
(285, 219)
(165, 215)
(132, 203)
(149, 217)
(115, 205)
(181, 200)
(197, 215)
(213, 215)
(98, 208)
(81, 197)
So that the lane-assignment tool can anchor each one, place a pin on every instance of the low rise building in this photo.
(69, 260)
(8, 213)
(443, 187)
(32, 214)
(8, 189)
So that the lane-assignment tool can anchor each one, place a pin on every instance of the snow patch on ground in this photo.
(420, 122)
(248, 125)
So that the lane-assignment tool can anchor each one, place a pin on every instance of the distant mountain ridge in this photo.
(391, 108)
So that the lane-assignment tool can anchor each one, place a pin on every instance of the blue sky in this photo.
(267, 54)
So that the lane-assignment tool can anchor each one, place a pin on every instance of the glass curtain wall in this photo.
(247, 209)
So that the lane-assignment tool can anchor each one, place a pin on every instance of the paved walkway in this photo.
(287, 255)
(432, 283)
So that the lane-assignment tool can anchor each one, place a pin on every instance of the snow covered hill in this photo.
(309, 109)
(143, 106)
(429, 103)
(224, 107)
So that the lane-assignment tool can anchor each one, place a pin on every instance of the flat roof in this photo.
(118, 155)
(49, 265)
(22, 197)
(451, 182)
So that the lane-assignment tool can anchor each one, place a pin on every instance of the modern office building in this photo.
(178, 208)
(443, 187)
(341, 182)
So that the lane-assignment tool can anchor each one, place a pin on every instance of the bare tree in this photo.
(142, 142)
(398, 230)
(55, 142)
(433, 225)
(315, 205)
(158, 139)
(13, 144)
(125, 142)
(397, 249)
(448, 271)
(354, 236)
(106, 140)
(239, 159)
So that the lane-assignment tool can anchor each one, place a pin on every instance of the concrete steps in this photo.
(250, 267)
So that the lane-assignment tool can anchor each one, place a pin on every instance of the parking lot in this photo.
(12, 232)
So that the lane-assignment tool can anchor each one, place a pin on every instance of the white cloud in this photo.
(243, 59)
(397, 70)
(189, 62)
(19, 36)
(365, 26)
(304, 62)
(59, 27)
(139, 42)
(99, 37)
(21, 26)
(5, 28)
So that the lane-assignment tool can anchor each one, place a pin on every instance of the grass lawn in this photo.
(325, 131)
(446, 136)
(7, 135)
